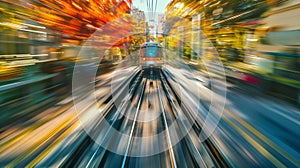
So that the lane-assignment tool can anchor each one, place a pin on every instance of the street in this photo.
(157, 126)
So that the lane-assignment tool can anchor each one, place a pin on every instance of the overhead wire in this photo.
(152, 9)
(149, 9)
(155, 6)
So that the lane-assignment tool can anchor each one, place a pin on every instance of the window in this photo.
(152, 51)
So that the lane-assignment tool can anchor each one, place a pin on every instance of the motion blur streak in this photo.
(123, 83)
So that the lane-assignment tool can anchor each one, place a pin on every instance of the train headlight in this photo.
(144, 59)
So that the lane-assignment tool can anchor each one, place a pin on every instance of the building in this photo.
(160, 23)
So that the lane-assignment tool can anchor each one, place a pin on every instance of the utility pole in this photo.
(147, 32)
(165, 41)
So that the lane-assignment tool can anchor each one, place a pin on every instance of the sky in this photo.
(142, 5)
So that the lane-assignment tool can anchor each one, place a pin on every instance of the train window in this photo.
(152, 51)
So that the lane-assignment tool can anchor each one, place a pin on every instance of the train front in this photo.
(151, 55)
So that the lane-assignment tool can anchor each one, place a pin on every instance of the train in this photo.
(151, 55)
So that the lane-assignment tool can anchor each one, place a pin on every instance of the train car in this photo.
(151, 55)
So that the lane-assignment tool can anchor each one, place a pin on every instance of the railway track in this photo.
(147, 129)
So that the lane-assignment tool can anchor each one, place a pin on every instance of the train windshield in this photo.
(152, 51)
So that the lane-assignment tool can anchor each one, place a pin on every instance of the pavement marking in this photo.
(262, 137)
(255, 144)
(42, 141)
(15, 139)
(45, 152)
